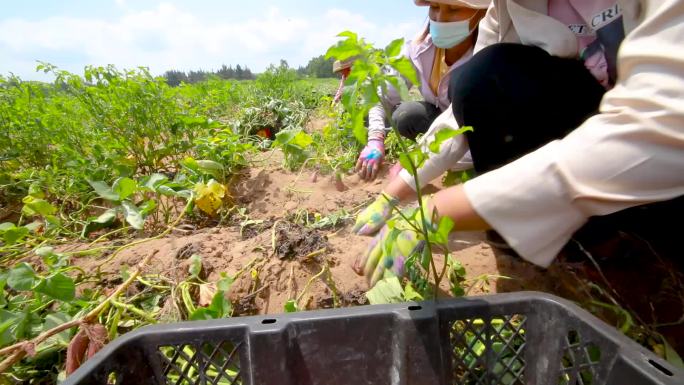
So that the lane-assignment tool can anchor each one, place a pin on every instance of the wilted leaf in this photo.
(76, 351)
(206, 293)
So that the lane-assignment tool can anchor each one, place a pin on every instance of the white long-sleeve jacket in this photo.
(453, 154)
(631, 153)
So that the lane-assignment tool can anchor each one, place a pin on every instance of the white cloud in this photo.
(167, 37)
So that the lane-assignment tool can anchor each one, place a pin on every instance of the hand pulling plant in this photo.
(373, 72)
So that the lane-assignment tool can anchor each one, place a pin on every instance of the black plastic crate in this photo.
(521, 338)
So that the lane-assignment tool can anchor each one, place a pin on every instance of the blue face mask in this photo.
(449, 34)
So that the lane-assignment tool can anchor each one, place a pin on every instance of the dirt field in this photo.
(280, 260)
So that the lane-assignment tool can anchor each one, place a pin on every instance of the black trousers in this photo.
(518, 98)
(413, 118)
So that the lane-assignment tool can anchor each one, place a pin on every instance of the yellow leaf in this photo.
(209, 197)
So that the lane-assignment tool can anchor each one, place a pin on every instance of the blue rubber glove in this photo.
(371, 159)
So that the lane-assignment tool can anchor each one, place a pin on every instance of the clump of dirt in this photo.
(354, 297)
(186, 251)
(295, 241)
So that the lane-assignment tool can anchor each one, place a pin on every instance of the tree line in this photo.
(317, 67)
(175, 77)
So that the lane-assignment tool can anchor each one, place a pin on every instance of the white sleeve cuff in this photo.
(525, 202)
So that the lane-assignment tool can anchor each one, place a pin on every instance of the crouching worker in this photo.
(446, 44)
(553, 153)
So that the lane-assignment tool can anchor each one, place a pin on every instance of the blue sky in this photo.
(183, 34)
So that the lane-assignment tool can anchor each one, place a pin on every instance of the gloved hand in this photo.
(382, 258)
(373, 218)
(371, 159)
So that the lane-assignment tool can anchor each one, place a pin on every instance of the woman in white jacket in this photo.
(444, 46)
(539, 187)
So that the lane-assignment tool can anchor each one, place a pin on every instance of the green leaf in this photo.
(36, 191)
(291, 306)
(444, 134)
(285, 136)
(404, 66)
(190, 163)
(348, 34)
(8, 322)
(410, 294)
(394, 48)
(53, 221)
(124, 187)
(359, 73)
(6, 226)
(400, 86)
(148, 207)
(387, 290)
(346, 48)
(302, 140)
(441, 235)
(3, 279)
(53, 320)
(14, 235)
(103, 190)
(359, 126)
(155, 180)
(225, 282)
(195, 265)
(202, 314)
(105, 219)
(133, 215)
(58, 286)
(370, 95)
(21, 277)
(671, 355)
(36, 206)
(414, 156)
(210, 167)
(220, 305)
